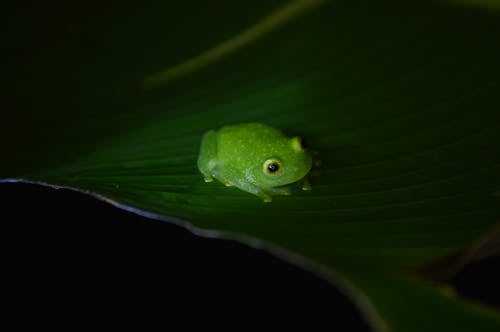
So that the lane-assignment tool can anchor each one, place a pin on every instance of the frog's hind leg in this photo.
(208, 178)
(207, 160)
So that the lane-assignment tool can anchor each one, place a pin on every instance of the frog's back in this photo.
(242, 145)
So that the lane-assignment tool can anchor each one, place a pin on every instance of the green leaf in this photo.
(400, 100)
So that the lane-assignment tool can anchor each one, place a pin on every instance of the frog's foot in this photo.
(208, 178)
(228, 184)
(306, 185)
(266, 198)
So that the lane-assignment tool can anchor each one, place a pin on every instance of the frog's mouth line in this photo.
(299, 179)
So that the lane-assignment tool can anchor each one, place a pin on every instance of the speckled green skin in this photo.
(235, 155)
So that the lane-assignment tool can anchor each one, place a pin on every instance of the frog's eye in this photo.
(272, 167)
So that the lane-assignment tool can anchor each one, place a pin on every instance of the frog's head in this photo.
(289, 162)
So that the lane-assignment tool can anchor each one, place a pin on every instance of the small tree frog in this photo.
(255, 158)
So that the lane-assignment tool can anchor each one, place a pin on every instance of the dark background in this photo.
(90, 259)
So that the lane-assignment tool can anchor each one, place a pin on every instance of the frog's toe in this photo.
(208, 178)
(306, 185)
(266, 198)
(228, 184)
(284, 192)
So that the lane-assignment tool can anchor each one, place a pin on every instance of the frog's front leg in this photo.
(229, 176)
(251, 188)
(264, 196)
(285, 191)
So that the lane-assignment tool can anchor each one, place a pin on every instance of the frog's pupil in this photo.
(273, 167)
